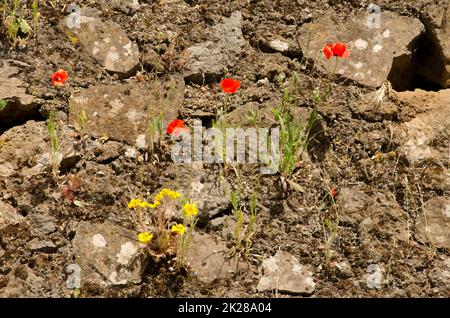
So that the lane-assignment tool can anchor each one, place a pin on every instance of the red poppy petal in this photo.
(176, 123)
(328, 51)
(59, 77)
(339, 49)
(230, 85)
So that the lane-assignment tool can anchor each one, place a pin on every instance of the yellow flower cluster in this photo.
(145, 237)
(166, 193)
(179, 228)
(190, 209)
(138, 203)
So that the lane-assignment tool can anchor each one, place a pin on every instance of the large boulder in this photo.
(425, 138)
(433, 227)
(208, 60)
(108, 254)
(123, 112)
(434, 55)
(13, 92)
(8, 215)
(208, 259)
(26, 149)
(377, 54)
(284, 273)
(105, 41)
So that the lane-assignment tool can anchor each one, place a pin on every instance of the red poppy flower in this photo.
(328, 51)
(176, 127)
(340, 49)
(334, 192)
(59, 77)
(230, 85)
(336, 49)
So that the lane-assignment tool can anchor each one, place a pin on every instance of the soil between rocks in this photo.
(381, 199)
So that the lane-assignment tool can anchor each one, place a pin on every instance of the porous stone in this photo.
(208, 59)
(13, 92)
(105, 41)
(434, 226)
(107, 254)
(378, 52)
(284, 273)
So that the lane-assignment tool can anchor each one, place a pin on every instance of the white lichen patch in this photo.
(361, 44)
(377, 48)
(127, 252)
(270, 265)
(116, 106)
(113, 279)
(279, 45)
(127, 48)
(140, 141)
(111, 58)
(197, 186)
(310, 282)
(107, 40)
(130, 153)
(296, 268)
(358, 65)
(375, 277)
(447, 211)
(133, 115)
(98, 240)
(386, 34)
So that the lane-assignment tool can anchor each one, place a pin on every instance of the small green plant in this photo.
(318, 96)
(53, 130)
(17, 28)
(221, 124)
(155, 128)
(330, 233)
(243, 234)
(81, 120)
(2, 104)
(238, 215)
(250, 229)
(252, 116)
(294, 135)
(36, 16)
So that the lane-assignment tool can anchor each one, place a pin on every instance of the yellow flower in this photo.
(150, 205)
(179, 228)
(136, 203)
(169, 193)
(145, 237)
(190, 209)
(174, 194)
(165, 193)
(158, 197)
